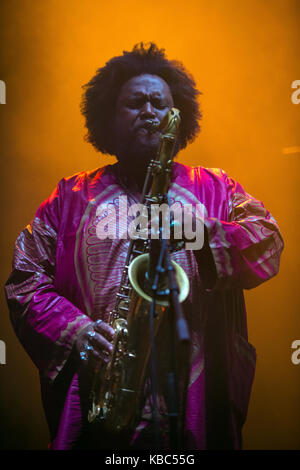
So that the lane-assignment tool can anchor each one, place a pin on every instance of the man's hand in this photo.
(93, 342)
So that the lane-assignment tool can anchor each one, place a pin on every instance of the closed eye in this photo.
(159, 105)
(138, 103)
(135, 104)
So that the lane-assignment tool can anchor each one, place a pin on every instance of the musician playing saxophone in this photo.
(66, 276)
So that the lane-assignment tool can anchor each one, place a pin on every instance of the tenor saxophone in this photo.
(117, 386)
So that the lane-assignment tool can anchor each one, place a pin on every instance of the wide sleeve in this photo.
(45, 322)
(244, 250)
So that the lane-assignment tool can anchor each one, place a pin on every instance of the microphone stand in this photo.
(178, 331)
(161, 170)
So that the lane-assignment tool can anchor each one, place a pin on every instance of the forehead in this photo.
(145, 84)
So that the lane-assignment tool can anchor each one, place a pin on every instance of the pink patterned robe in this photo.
(64, 277)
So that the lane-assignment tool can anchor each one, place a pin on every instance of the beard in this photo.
(134, 153)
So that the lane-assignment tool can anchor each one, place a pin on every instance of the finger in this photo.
(83, 356)
(99, 356)
(90, 354)
(99, 342)
(104, 329)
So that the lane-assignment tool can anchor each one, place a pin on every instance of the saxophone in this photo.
(117, 386)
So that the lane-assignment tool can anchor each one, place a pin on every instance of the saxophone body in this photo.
(116, 391)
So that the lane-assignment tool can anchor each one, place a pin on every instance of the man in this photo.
(65, 277)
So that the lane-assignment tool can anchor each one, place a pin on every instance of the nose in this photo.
(147, 111)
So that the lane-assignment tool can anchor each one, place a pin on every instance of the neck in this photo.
(133, 176)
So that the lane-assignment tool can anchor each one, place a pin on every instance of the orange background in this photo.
(244, 58)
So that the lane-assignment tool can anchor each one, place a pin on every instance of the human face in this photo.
(142, 98)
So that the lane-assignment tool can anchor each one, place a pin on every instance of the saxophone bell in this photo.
(138, 270)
